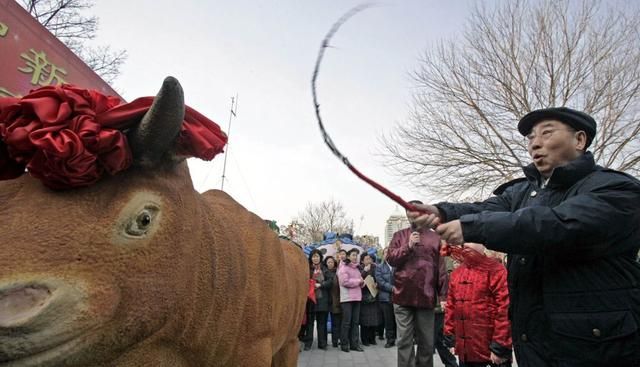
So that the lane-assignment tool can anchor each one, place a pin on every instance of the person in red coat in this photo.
(476, 317)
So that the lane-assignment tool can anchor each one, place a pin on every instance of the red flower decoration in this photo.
(69, 137)
(467, 256)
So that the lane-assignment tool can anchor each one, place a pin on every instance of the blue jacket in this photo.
(384, 278)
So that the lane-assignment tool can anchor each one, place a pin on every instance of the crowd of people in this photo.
(339, 294)
(413, 298)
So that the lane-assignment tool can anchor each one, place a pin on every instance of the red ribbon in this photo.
(70, 137)
(468, 256)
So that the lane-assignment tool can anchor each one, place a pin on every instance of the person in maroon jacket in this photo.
(476, 317)
(419, 274)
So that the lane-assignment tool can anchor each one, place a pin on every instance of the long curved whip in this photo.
(325, 135)
(457, 252)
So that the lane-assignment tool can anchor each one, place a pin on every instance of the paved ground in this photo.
(373, 356)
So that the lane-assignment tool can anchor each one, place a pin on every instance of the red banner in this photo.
(32, 57)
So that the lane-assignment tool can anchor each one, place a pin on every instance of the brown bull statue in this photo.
(141, 270)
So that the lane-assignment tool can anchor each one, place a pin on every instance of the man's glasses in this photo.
(545, 134)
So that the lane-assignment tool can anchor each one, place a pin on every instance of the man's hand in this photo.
(497, 360)
(443, 305)
(427, 216)
(451, 232)
(318, 285)
(414, 239)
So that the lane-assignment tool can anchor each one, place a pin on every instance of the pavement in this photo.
(373, 356)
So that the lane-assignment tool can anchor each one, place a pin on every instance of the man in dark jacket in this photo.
(384, 279)
(419, 277)
(572, 231)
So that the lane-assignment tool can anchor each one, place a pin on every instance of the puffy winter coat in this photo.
(350, 282)
(476, 317)
(384, 278)
(573, 279)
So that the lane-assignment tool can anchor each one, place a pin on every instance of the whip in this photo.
(327, 139)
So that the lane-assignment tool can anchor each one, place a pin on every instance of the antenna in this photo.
(232, 114)
(360, 224)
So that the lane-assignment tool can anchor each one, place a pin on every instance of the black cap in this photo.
(576, 119)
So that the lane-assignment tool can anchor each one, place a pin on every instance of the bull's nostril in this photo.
(18, 305)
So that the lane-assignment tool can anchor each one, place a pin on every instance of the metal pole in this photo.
(232, 113)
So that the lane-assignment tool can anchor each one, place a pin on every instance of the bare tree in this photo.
(316, 219)
(66, 20)
(461, 139)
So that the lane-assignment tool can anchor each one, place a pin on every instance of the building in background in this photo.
(397, 221)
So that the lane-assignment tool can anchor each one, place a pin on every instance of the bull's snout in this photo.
(18, 305)
(45, 320)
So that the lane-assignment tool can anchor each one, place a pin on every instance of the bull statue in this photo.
(139, 269)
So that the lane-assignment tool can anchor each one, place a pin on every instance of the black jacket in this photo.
(573, 282)
(327, 286)
(323, 293)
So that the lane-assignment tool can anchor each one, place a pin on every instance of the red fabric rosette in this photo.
(467, 256)
(69, 137)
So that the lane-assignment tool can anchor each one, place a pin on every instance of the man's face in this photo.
(411, 216)
(552, 144)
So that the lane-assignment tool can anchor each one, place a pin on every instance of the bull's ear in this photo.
(152, 142)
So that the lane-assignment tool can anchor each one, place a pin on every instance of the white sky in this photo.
(264, 51)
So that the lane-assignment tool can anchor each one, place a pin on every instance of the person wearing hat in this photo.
(572, 231)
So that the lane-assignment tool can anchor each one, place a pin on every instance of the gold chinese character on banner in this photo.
(3, 29)
(5, 93)
(42, 71)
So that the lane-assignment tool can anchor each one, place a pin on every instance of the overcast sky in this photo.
(264, 52)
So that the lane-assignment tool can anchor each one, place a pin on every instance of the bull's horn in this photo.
(153, 140)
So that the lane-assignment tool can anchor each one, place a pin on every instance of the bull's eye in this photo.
(144, 220)
(141, 223)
